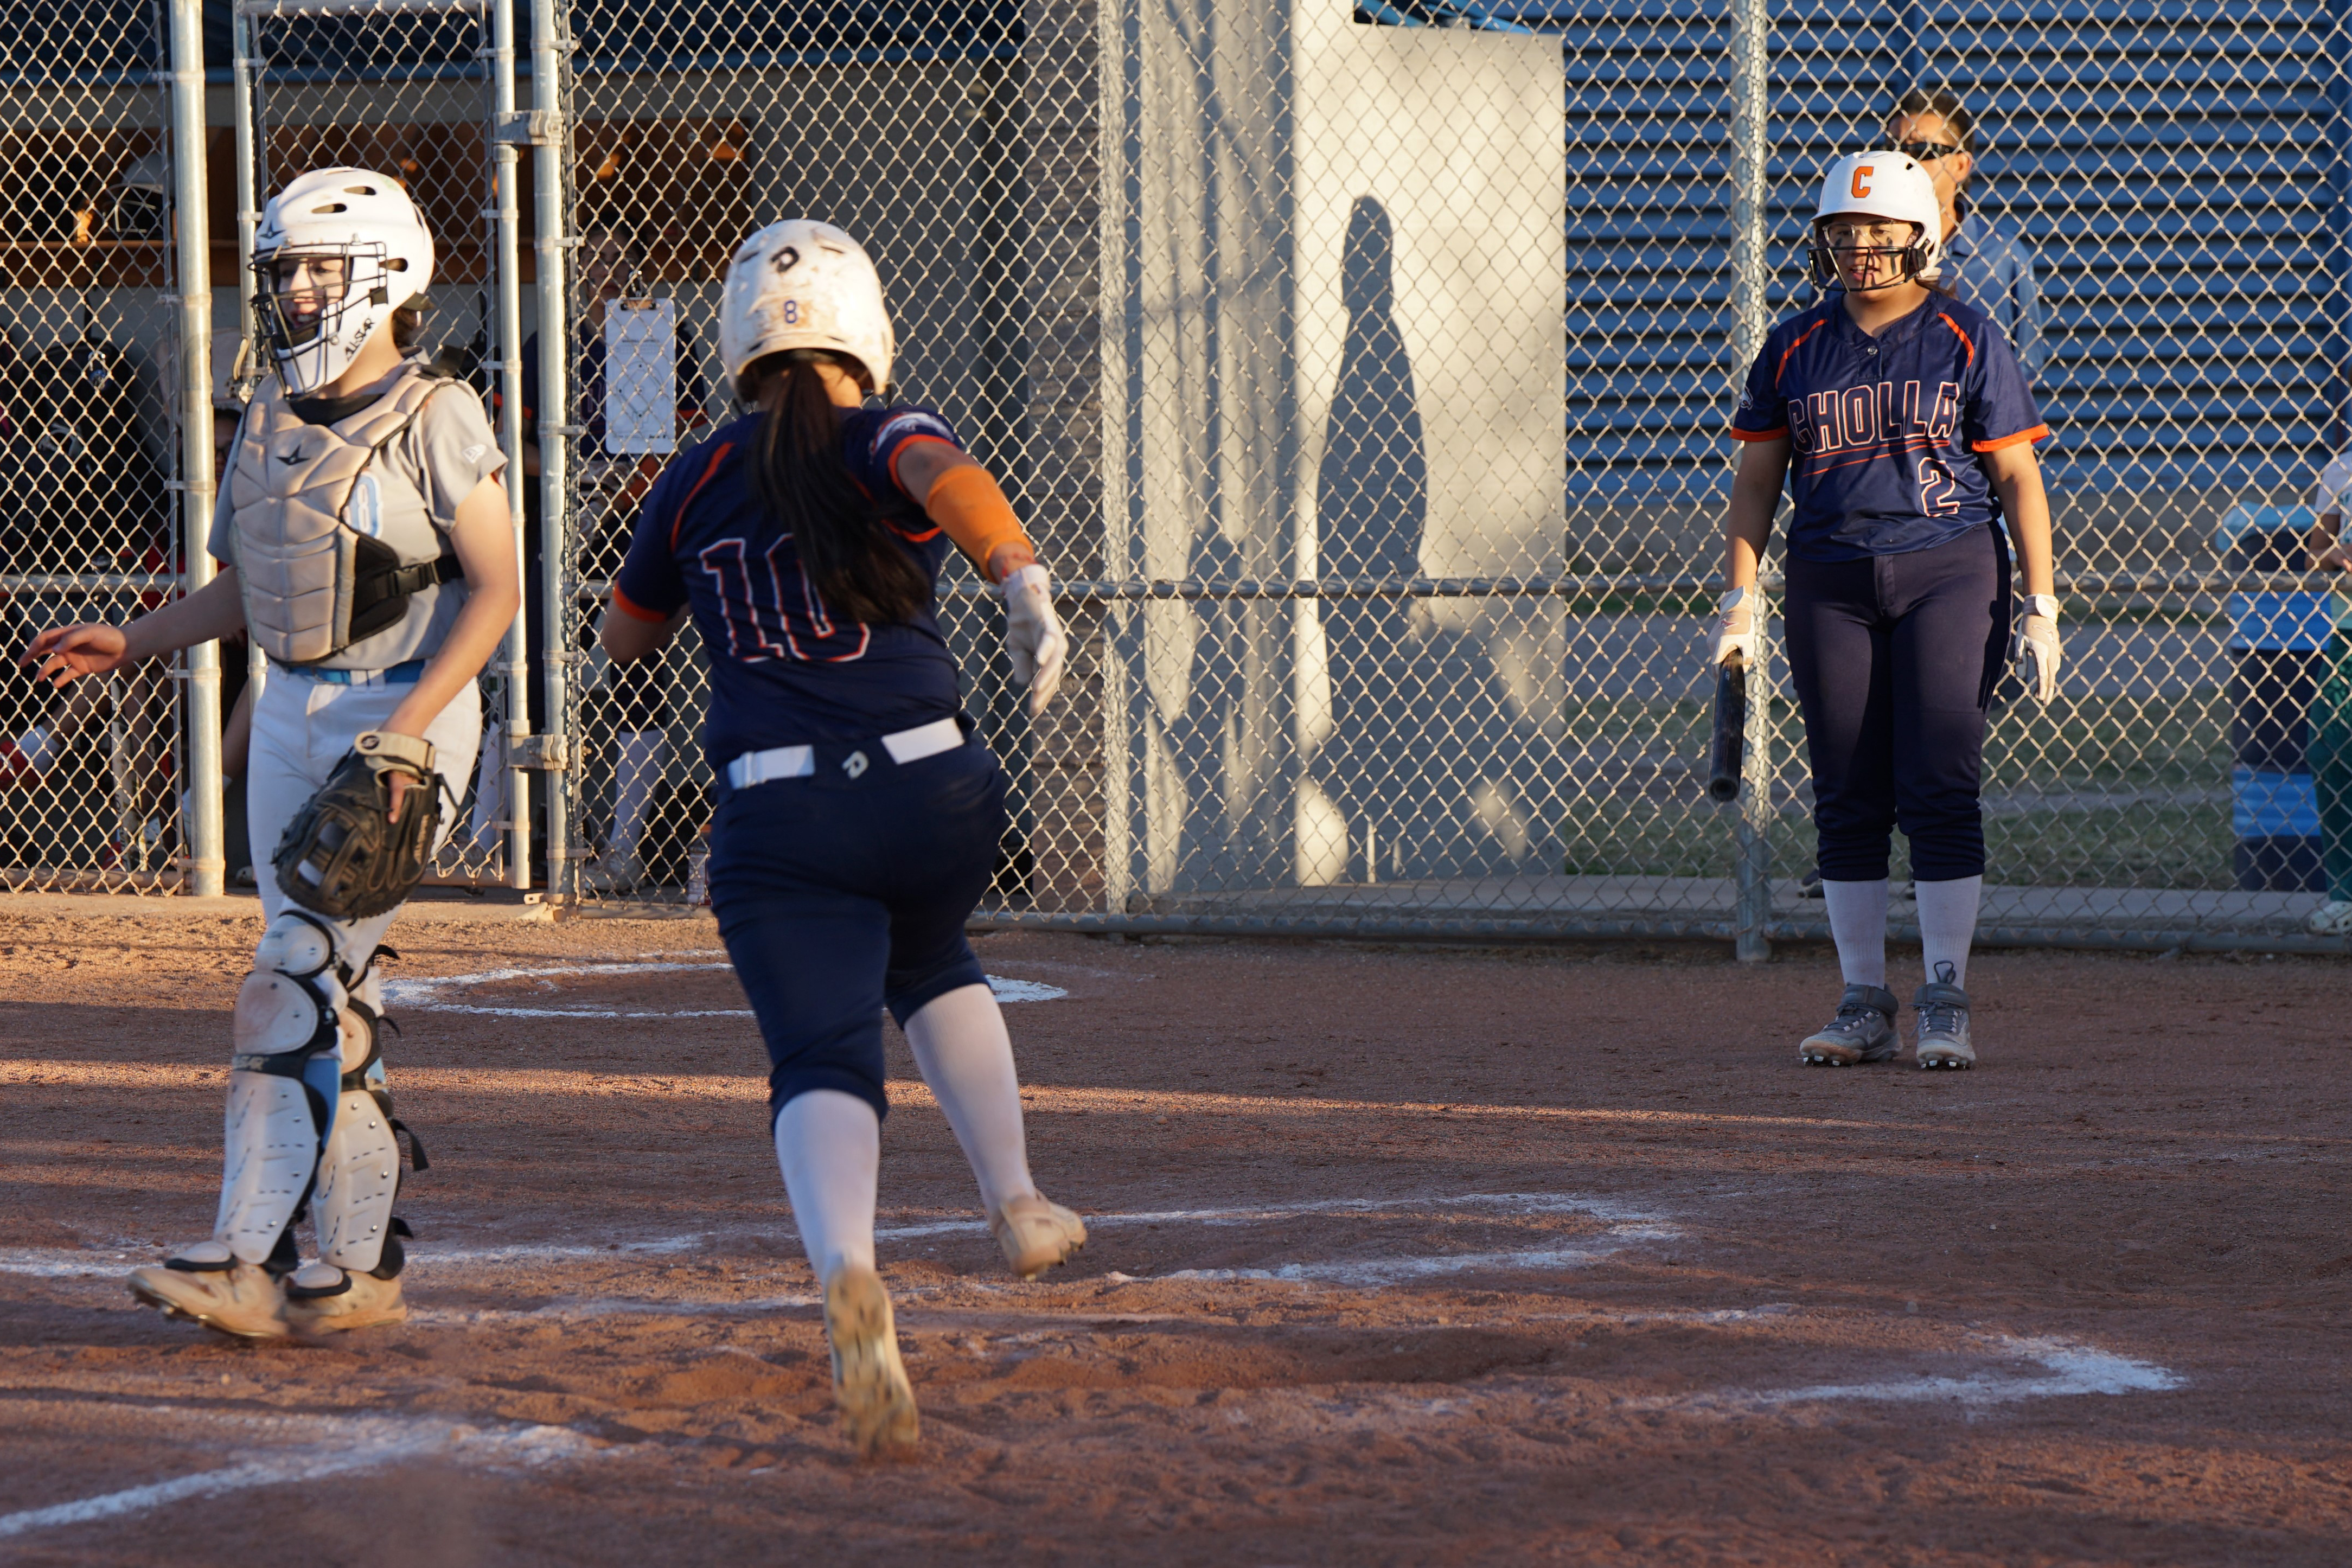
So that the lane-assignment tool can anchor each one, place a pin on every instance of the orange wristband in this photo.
(972, 511)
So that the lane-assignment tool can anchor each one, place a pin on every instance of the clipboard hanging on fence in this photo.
(641, 377)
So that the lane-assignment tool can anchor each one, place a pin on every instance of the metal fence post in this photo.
(1750, 132)
(245, 148)
(514, 653)
(192, 295)
(549, 39)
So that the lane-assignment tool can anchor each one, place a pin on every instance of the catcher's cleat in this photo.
(869, 1380)
(2333, 918)
(1864, 1030)
(1943, 1011)
(321, 1299)
(1037, 1234)
(232, 1298)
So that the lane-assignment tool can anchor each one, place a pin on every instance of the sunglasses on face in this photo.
(1925, 151)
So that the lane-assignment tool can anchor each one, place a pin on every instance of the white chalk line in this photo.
(2069, 1368)
(1626, 1223)
(339, 1445)
(424, 995)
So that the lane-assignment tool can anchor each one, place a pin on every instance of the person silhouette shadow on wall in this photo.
(1371, 506)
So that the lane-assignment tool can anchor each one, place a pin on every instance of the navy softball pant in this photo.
(1895, 660)
(840, 894)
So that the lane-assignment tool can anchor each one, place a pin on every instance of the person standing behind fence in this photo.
(859, 818)
(1899, 415)
(1984, 264)
(2329, 747)
(365, 545)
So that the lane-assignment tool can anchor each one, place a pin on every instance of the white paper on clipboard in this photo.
(640, 376)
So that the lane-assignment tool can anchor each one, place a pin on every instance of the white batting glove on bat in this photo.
(1736, 629)
(1033, 634)
(2038, 653)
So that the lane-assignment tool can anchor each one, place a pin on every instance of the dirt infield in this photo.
(1398, 1256)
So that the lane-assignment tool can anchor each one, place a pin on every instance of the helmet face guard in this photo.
(1912, 262)
(313, 346)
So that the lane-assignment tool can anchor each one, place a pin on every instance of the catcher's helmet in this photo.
(800, 284)
(1884, 185)
(359, 224)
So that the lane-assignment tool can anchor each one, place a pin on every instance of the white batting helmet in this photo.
(800, 284)
(356, 217)
(1884, 184)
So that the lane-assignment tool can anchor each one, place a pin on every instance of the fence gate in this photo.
(416, 89)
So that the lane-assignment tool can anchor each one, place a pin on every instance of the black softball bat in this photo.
(1728, 750)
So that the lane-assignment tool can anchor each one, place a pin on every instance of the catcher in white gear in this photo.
(365, 546)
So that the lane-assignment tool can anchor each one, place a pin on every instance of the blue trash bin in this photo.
(2278, 641)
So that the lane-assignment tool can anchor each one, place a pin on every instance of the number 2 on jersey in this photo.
(753, 596)
(1936, 488)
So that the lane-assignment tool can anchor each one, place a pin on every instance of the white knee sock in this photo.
(1947, 923)
(966, 1057)
(830, 1146)
(1858, 924)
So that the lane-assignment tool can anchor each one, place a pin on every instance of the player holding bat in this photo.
(1900, 421)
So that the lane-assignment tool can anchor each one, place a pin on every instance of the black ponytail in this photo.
(857, 563)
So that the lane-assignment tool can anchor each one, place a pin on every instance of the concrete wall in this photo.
(1334, 350)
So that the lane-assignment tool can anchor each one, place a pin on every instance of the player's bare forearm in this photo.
(484, 541)
(626, 638)
(64, 653)
(1748, 516)
(2016, 475)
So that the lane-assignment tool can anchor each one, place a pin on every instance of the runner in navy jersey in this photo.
(858, 818)
(1901, 423)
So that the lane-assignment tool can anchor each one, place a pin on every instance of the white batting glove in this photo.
(1737, 629)
(1033, 634)
(2037, 650)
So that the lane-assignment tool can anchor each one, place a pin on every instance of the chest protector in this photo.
(330, 541)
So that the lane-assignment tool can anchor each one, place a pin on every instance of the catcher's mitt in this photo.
(341, 856)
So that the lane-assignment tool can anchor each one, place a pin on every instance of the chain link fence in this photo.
(89, 780)
(1361, 370)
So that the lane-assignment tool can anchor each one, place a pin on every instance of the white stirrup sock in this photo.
(829, 1144)
(1858, 924)
(1947, 923)
(966, 1057)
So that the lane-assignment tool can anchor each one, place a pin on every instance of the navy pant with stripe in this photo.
(845, 892)
(1895, 660)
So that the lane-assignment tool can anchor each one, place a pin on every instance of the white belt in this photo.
(800, 762)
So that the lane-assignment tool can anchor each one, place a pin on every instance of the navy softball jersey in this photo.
(1885, 433)
(784, 669)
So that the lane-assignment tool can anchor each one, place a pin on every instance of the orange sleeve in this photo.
(968, 507)
(2038, 433)
(633, 610)
(1739, 434)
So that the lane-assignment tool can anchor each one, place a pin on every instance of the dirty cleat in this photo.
(1037, 1234)
(1943, 1010)
(869, 1381)
(321, 1299)
(1864, 1030)
(208, 1285)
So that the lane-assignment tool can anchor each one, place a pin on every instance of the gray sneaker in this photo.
(1864, 1030)
(1943, 1012)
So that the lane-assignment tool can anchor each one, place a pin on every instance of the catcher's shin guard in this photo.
(284, 1081)
(359, 1176)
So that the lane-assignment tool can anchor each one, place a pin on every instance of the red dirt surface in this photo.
(1399, 1257)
